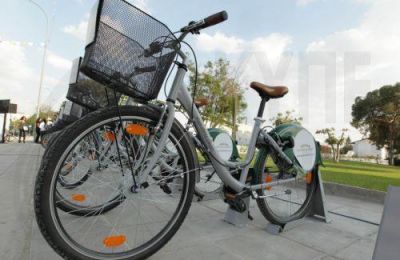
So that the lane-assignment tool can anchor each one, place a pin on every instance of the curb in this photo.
(354, 192)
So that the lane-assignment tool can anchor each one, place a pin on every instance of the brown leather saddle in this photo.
(266, 91)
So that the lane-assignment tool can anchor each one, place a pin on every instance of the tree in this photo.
(46, 112)
(285, 118)
(377, 115)
(334, 141)
(226, 98)
(347, 146)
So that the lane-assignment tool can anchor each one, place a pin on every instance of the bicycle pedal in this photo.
(166, 189)
(229, 196)
(144, 185)
(238, 205)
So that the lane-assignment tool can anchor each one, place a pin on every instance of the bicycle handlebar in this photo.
(215, 19)
(193, 27)
(211, 20)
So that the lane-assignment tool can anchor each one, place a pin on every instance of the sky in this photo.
(326, 51)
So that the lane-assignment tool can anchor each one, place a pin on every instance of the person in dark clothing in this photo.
(22, 129)
(42, 126)
(37, 129)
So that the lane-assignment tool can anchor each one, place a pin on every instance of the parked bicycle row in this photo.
(119, 171)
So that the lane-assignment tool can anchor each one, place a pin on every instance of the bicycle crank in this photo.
(235, 202)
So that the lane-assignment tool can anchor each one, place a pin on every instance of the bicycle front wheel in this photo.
(151, 208)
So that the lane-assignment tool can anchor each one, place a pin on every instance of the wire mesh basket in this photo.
(70, 112)
(87, 92)
(117, 51)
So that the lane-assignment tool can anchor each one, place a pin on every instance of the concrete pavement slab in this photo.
(258, 244)
(360, 249)
(204, 234)
(320, 236)
(19, 165)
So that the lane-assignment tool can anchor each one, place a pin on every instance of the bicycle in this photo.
(72, 175)
(86, 95)
(156, 198)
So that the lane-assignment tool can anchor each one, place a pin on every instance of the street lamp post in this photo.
(44, 56)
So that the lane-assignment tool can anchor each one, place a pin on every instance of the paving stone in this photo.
(199, 251)
(320, 236)
(327, 257)
(203, 235)
(258, 244)
(355, 227)
(361, 249)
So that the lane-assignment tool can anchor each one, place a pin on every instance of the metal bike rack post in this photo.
(318, 209)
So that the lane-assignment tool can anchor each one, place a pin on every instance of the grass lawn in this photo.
(360, 174)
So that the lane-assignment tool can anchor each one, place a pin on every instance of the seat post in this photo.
(262, 106)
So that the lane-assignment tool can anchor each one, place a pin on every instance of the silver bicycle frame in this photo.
(179, 93)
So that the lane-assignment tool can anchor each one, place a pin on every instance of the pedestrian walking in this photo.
(23, 128)
(37, 129)
(42, 126)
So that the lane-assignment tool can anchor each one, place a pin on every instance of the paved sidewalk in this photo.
(204, 235)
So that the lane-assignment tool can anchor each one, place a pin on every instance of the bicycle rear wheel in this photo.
(284, 202)
(146, 218)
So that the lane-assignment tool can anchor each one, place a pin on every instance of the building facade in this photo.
(366, 148)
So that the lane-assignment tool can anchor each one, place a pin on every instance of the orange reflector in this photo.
(114, 241)
(109, 136)
(308, 177)
(68, 166)
(268, 179)
(78, 197)
(136, 129)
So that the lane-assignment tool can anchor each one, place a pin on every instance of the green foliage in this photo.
(226, 99)
(347, 146)
(14, 125)
(46, 112)
(287, 117)
(378, 115)
(334, 141)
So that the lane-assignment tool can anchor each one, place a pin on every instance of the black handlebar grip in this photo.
(215, 18)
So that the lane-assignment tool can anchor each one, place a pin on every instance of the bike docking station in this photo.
(318, 211)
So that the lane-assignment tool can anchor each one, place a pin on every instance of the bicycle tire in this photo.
(44, 178)
(262, 204)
